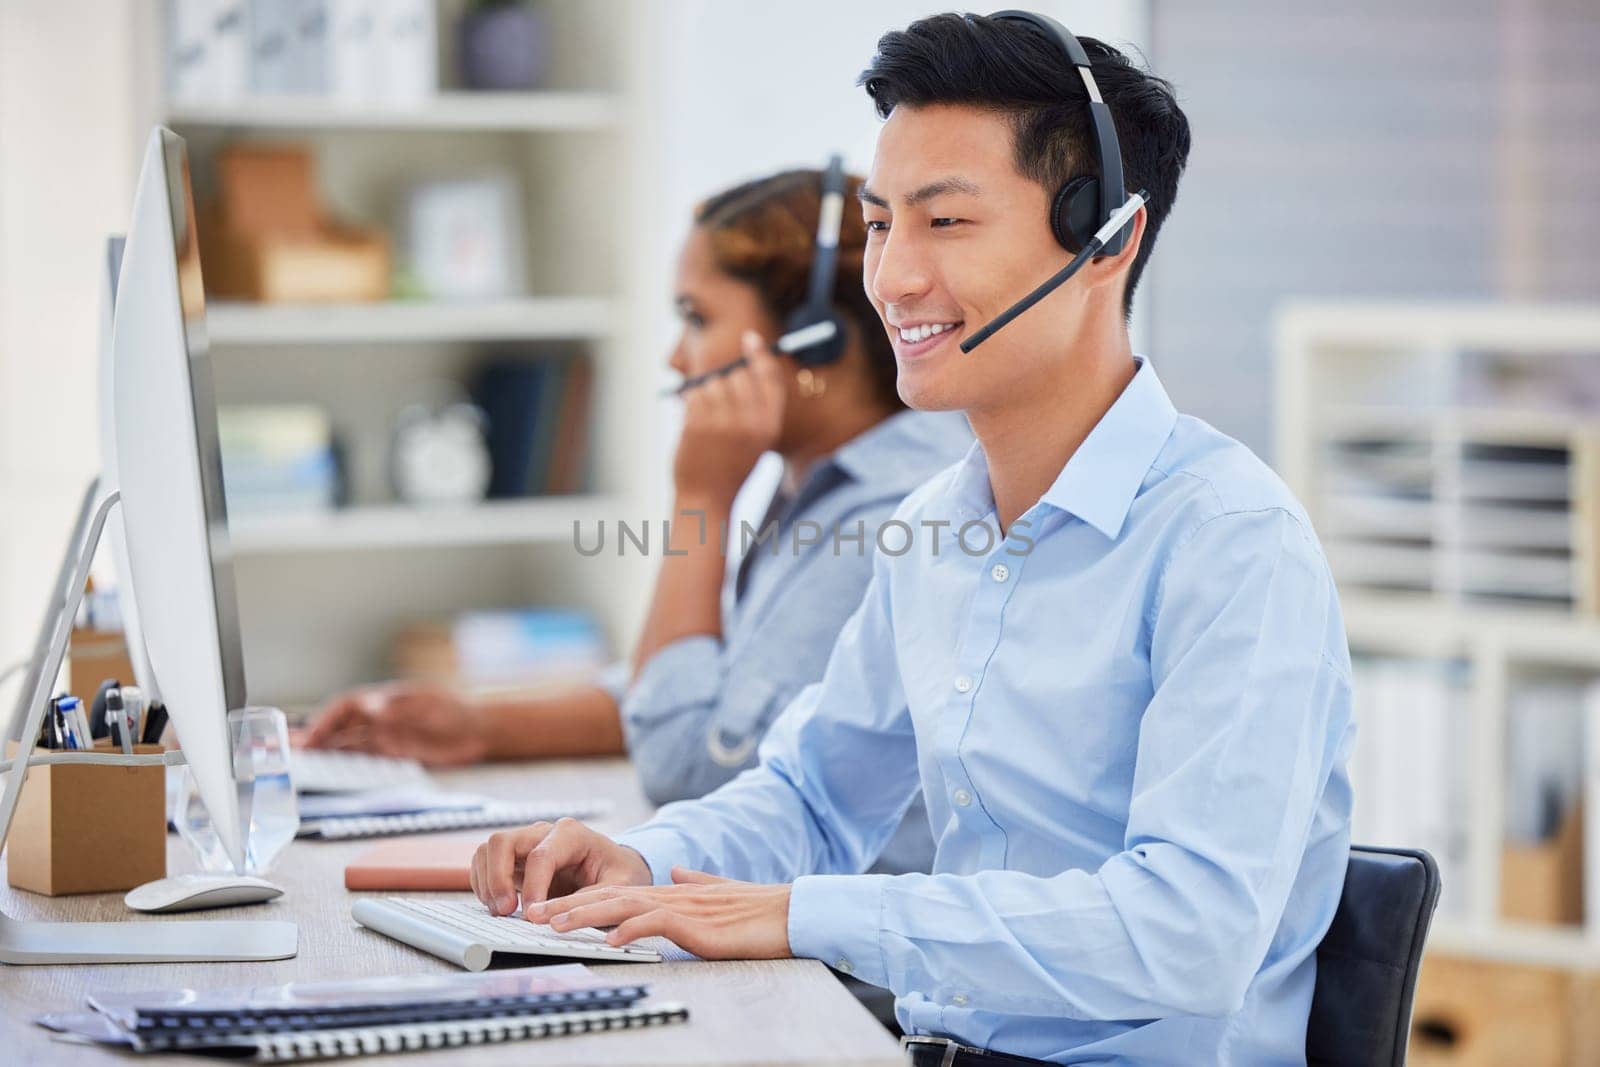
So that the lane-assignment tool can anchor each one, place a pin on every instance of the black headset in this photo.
(1090, 214)
(1083, 204)
(814, 333)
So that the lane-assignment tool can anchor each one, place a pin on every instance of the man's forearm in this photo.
(688, 594)
(583, 722)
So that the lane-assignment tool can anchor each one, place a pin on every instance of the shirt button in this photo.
(1000, 572)
(843, 966)
(959, 1000)
(963, 684)
(963, 798)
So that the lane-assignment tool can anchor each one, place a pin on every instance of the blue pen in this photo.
(77, 731)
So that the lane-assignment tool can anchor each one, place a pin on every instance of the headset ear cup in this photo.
(1075, 214)
(821, 352)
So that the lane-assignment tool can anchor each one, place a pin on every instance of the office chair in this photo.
(1368, 960)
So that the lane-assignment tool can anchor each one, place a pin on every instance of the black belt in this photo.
(942, 1052)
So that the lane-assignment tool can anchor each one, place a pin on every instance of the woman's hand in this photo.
(727, 424)
(715, 918)
(412, 720)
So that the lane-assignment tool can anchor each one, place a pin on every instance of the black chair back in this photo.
(1368, 960)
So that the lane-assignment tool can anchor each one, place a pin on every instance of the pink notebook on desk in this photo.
(415, 863)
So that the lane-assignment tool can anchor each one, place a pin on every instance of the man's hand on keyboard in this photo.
(406, 719)
(550, 859)
(715, 918)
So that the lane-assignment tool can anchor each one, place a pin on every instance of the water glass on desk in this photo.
(261, 753)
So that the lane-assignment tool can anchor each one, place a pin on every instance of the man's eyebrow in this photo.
(952, 184)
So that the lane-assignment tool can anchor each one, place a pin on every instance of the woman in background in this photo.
(706, 683)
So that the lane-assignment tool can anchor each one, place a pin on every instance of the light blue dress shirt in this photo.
(696, 713)
(1129, 719)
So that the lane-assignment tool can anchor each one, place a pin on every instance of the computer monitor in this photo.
(169, 472)
(178, 568)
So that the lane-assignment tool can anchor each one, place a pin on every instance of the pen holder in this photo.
(89, 828)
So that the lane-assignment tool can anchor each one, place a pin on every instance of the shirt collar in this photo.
(1101, 480)
(904, 450)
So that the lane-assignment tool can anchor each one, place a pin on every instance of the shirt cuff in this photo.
(686, 672)
(838, 919)
(661, 848)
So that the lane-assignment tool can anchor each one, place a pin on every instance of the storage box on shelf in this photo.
(1447, 455)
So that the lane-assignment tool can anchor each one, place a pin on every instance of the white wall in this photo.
(68, 133)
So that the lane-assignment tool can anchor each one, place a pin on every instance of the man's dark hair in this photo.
(1014, 68)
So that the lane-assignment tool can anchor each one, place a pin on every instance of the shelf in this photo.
(549, 110)
(532, 318)
(1429, 625)
(1544, 428)
(1523, 943)
(541, 519)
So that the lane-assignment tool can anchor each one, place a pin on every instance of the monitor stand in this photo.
(147, 941)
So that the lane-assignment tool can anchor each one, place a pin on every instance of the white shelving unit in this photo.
(1397, 378)
(541, 520)
(551, 110)
(411, 322)
(321, 594)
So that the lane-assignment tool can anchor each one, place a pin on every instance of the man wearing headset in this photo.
(1128, 709)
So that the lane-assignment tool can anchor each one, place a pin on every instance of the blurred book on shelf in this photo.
(539, 413)
(356, 51)
(278, 459)
(266, 237)
(1409, 770)
(532, 647)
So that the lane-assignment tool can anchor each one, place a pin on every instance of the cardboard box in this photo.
(265, 237)
(1543, 883)
(92, 657)
(89, 828)
(1483, 1013)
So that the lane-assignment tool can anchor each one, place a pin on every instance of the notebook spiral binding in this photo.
(336, 828)
(367, 1041)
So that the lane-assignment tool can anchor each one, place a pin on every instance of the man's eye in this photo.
(877, 226)
(694, 319)
(945, 222)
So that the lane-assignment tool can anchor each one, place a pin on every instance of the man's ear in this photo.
(1106, 270)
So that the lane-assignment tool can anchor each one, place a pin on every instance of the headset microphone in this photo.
(1114, 225)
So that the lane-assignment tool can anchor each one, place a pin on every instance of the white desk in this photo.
(754, 1012)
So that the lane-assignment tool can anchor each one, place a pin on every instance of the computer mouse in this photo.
(189, 892)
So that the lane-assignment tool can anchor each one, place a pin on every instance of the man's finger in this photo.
(657, 922)
(684, 875)
(557, 849)
(608, 912)
(501, 853)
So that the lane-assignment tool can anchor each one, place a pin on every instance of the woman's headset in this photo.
(814, 334)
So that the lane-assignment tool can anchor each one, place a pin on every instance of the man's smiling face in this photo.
(955, 235)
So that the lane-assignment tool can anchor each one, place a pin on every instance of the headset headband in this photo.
(825, 258)
(1107, 150)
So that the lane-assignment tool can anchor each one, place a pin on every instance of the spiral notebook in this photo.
(319, 1020)
(345, 827)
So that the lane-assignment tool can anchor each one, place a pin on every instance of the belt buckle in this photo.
(950, 1047)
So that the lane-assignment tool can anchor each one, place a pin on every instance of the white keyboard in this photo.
(465, 934)
(320, 770)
